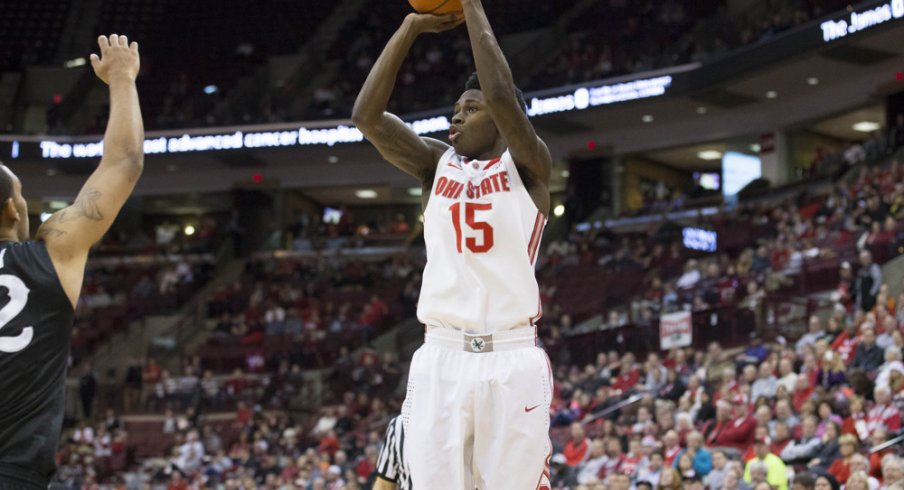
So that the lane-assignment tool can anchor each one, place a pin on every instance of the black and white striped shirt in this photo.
(390, 465)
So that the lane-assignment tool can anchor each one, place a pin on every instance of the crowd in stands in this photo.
(762, 248)
(304, 309)
(340, 228)
(620, 37)
(776, 412)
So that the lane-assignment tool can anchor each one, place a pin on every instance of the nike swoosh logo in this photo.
(527, 410)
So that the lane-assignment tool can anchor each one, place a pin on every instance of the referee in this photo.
(392, 473)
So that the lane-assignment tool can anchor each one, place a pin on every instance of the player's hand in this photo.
(118, 59)
(435, 23)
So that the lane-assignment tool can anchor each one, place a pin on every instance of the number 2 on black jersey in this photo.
(18, 297)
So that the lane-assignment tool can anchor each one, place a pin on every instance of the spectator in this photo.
(650, 469)
(868, 355)
(828, 449)
(766, 383)
(891, 365)
(826, 482)
(857, 481)
(588, 471)
(776, 473)
(716, 477)
(831, 371)
(815, 332)
(841, 467)
(670, 479)
(733, 481)
(892, 470)
(884, 414)
(788, 378)
(700, 456)
(803, 481)
(577, 449)
(87, 385)
(869, 279)
(859, 464)
(806, 446)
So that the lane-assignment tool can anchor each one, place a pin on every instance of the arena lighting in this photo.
(366, 194)
(699, 239)
(211, 89)
(45, 216)
(595, 96)
(771, 94)
(647, 118)
(866, 126)
(812, 81)
(56, 205)
(73, 63)
(415, 191)
(189, 230)
(559, 210)
(709, 155)
(701, 110)
(834, 29)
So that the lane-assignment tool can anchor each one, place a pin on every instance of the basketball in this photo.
(436, 6)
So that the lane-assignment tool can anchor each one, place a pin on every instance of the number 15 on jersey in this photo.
(470, 219)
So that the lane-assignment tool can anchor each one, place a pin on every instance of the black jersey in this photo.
(35, 328)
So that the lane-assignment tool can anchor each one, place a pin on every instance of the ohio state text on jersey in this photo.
(482, 231)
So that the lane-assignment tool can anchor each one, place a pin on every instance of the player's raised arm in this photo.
(528, 151)
(71, 232)
(398, 144)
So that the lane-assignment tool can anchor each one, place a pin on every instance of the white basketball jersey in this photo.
(482, 231)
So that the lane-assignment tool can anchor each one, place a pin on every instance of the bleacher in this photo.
(30, 31)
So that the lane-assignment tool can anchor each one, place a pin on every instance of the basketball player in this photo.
(41, 279)
(391, 471)
(477, 409)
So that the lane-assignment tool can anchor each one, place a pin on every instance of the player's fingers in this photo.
(95, 60)
(448, 17)
(114, 40)
(124, 41)
(103, 42)
(134, 46)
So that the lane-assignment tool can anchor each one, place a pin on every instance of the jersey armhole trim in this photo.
(56, 274)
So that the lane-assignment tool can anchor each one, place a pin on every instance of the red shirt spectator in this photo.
(845, 345)
(329, 443)
(151, 372)
(627, 379)
(671, 448)
(884, 415)
(731, 432)
(243, 415)
(578, 446)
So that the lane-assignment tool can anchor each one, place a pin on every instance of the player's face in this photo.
(473, 130)
(20, 205)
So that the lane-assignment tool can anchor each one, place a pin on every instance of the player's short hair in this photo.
(6, 185)
(473, 83)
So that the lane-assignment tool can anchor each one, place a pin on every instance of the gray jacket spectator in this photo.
(868, 281)
(868, 355)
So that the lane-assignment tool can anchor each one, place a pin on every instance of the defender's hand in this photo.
(118, 59)
(435, 23)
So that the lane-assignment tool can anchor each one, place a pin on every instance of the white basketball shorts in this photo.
(477, 412)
